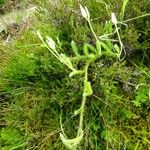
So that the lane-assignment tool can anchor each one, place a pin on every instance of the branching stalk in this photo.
(90, 55)
(93, 31)
(83, 100)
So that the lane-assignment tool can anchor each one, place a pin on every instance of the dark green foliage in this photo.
(66, 17)
(35, 88)
(2, 2)
(12, 139)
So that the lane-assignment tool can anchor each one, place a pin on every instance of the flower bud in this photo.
(85, 13)
(50, 43)
(113, 18)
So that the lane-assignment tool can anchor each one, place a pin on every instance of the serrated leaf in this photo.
(105, 47)
(87, 48)
(88, 88)
(74, 48)
(116, 47)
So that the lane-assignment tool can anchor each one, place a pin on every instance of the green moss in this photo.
(2, 2)
(35, 88)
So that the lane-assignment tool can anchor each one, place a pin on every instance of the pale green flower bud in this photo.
(51, 43)
(85, 13)
(113, 18)
(39, 35)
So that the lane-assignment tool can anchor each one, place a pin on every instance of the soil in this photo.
(9, 24)
(9, 6)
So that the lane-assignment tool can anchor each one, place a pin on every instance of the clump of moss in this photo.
(37, 88)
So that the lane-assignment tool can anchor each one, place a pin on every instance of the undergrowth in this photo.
(38, 99)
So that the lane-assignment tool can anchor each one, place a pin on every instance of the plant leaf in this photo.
(88, 88)
(74, 48)
(51, 43)
(87, 48)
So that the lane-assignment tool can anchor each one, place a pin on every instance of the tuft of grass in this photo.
(110, 136)
(35, 88)
(125, 2)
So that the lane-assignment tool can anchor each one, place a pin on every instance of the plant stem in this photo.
(83, 100)
(121, 45)
(145, 15)
(93, 30)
